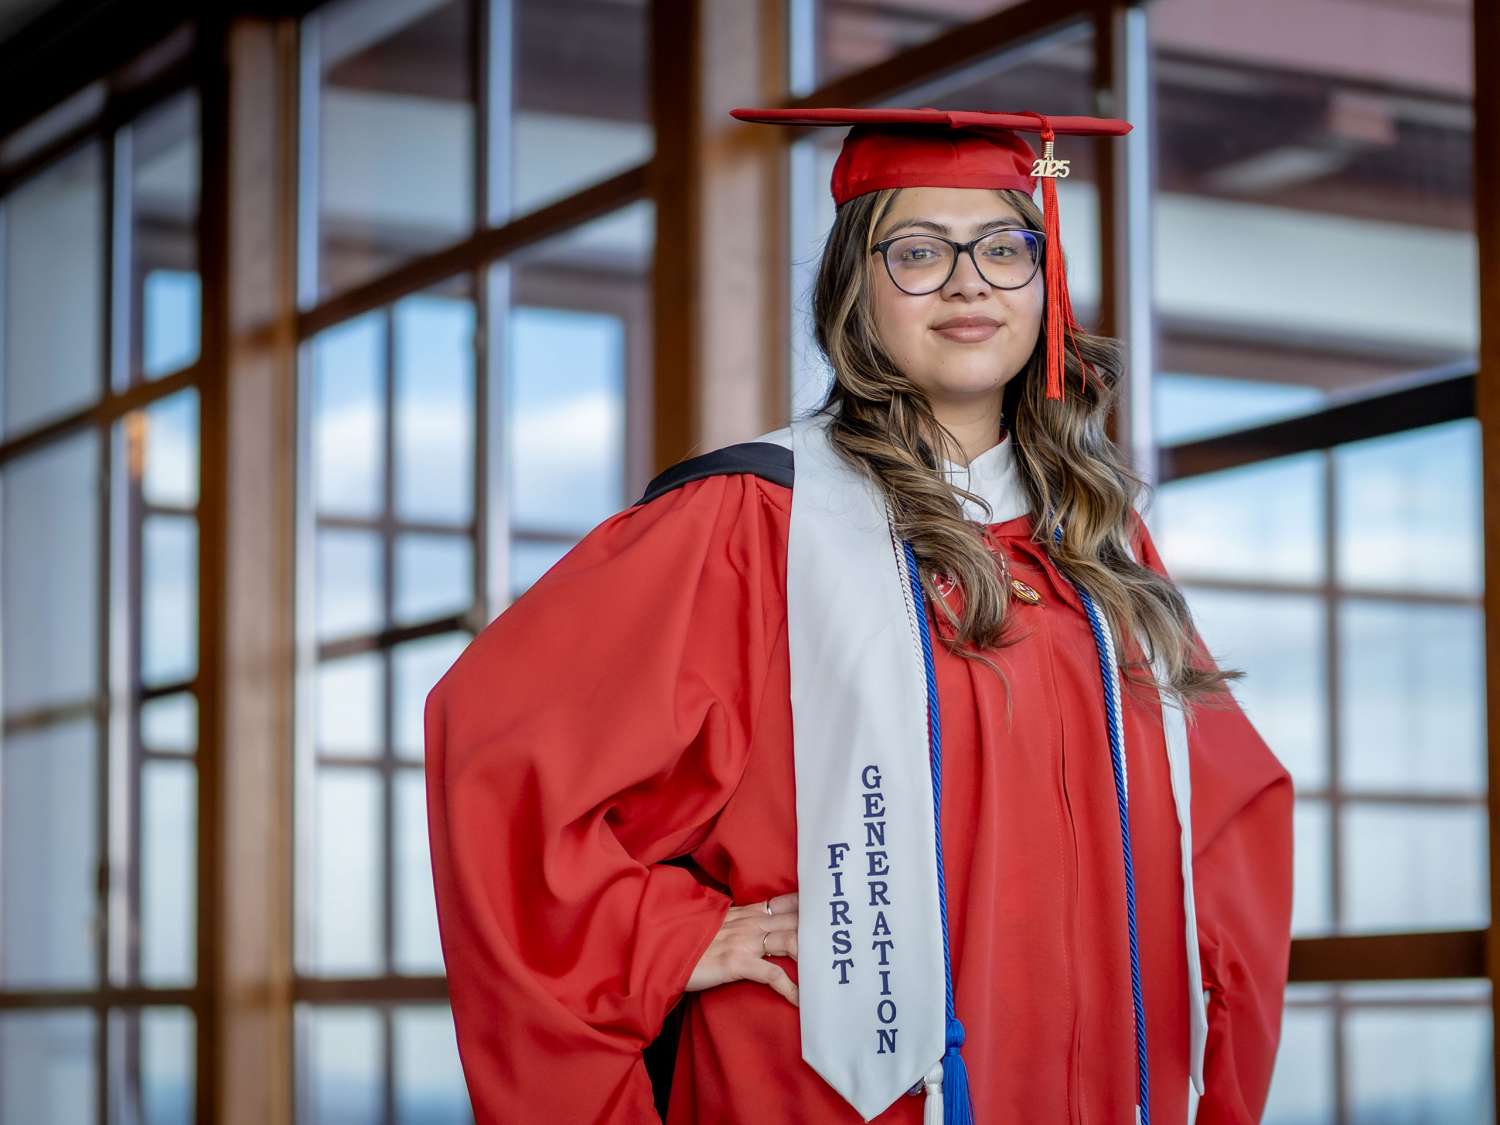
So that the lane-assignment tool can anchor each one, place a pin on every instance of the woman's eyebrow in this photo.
(943, 228)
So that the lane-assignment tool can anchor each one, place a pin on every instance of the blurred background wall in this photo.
(326, 328)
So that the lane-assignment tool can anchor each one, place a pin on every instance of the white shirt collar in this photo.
(995, 476)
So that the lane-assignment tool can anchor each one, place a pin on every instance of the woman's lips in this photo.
(968, 333)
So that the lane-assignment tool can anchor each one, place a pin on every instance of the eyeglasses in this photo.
(922, 263)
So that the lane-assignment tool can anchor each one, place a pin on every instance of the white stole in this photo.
(870, 976)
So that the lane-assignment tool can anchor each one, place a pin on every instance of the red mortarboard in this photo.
(959, 148)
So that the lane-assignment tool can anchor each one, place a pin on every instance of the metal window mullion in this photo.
(1334, 685)
(309, 171)
(493, 295)
(388, 598)
(108, 635)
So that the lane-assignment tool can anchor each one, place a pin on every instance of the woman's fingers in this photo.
(781, 943)
(783, 904)
(774, 975)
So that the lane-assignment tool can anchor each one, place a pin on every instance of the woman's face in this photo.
(955, 372)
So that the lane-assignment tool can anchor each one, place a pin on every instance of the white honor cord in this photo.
(932, 1105)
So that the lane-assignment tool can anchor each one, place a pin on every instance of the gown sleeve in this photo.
(1242, 878)
(593, 730)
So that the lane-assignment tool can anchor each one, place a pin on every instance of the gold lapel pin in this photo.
(1025, 592)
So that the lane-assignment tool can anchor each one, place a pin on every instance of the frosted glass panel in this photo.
(50, 502)
(429, 1081)
(1420, 1065)
(435, 408)
(169, 873)
(567, 418)
(417, 666)
(434, 576)
(169, 450)
(166, 157)
(1263, 522)
(346, 869)
(1302, 1085)
(350, 697)
(350, 576)
(1414, 868)
(395, 126)
(348, 422)
(48, 857)
(1280, 642)
(342, 1067)
(47, 1067)
(53, 289)
(169, 599)
(1409, 511)
(1411, 704)
(417, 947)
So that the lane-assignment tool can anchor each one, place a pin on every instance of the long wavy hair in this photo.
(883, 424)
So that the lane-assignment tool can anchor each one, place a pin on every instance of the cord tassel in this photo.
(958, 1109)
(932, 1104)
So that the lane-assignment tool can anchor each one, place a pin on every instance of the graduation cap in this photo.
(960, 148)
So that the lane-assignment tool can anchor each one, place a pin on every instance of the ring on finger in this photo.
(764, 937)
(768, 907)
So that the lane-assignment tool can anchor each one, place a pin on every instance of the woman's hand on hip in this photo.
(746, 938)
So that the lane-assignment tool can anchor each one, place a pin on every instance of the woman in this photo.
(954, 798)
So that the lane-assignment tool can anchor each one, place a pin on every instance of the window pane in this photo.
(152, 1076)
(169, 873)
(348, 423)
(1302, 1085)
(1409, 511)
(165, 310)
(169, 599)
(1189, 406)
(168, 450)
(350, 570)
(1334, 264)
(395, 133)
(567, 418)
(343, 1066)
(429, 1081)
(48, 857)
(434, 576)
(47, 1067)
(416, 667)
(1420, 1063)
(1262, 522)
(434, 345)
(1280, 642)
(575, 365)
(347, 878)
(1411, 711)
(50, 502)
(169, 724)
(530, 559)
(350, 695)
(53, 285)
(849, 35)
(1414, 868)
(582, 111)
(417, 948)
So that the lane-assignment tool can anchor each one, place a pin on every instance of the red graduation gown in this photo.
(632, 706)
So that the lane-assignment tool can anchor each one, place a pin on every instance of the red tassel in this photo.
(1060, 320)
(1057, 290)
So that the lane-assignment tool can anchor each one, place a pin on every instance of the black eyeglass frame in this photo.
(960, 248)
